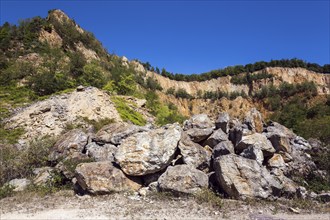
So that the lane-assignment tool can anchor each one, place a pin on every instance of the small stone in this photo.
(296, 211)
(80, 88)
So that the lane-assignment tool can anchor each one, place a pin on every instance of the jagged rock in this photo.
(222, 122)
(198, 135)
(200, 121)
(101, 153)
(43, 175)
(253, 153)
(280, 137)
(103, 177)
(67, 165)
(115, 133)
(235, 131)
(193, 154)
(276, 161)
(19, 184)
(241, 177)
(254, 120)
(71, 142)
(324, 197)
(289, 188)
(286, 157)
(302, 192)
(223, 148)
(182, 179)
(256, 140)
(217, 137)
(148, 152)
(301, 144)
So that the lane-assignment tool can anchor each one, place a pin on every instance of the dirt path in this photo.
(119, 206)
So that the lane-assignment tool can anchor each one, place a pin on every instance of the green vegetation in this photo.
(20, 163)
(248, 78)
(127, 113)
(100, 123)
(208, 196)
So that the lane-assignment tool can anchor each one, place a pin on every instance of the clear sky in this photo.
(196, 36)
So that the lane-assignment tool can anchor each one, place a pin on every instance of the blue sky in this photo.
(196, 36)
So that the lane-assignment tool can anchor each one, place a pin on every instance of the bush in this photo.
(100, 123)
(153, 84)
(181, 93)
(170, 91)
(128, 114)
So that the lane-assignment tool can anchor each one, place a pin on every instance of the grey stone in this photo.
(101, 153)
(222, 122)
(19, 184)
(223, 148)
(217, 137)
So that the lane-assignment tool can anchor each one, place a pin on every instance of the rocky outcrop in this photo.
(182, 179)
(103, 177)
(148, 152)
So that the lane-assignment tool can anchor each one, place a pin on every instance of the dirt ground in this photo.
(66, 205)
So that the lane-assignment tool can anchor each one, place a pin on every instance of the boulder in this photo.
(103, 177)
(242, 177)
(43, 175)
(200, 121)
(115, 133)
(254, 120)
(198, 135)
(101, 153)
(222, 122)
(182, 179)
(280, 137)
(148, 152)
(253, 153)
(235, 131)
(223, 148)
(67, 166)
(193, 154)
(19, 184)
(256, 140)
(217, 137)
(276, 161)
(301, 144)
(71, 142)
(324, 197)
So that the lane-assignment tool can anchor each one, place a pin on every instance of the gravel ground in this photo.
(66, 205)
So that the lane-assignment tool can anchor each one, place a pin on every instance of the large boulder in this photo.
(223, 148)
(199, 135)
(182, 179)
(101, 152)
(71, 142)
(148, 152)
(193, 153)
(256, 140)
(115, 133)
(242, 177)
(253, 119)
(103, 177)
(235, 131)
(280, 137)
(222, 122)
(200, 121)
(253, 153)
(217, 137)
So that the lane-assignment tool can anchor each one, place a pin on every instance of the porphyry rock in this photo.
(103, 177)
(182, 179)
(148, 152)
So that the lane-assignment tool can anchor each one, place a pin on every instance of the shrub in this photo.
(100, 123)
(170, 91)
(153, 84)
(128, 114)
(181, 93)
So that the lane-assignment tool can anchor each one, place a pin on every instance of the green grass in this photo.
(128, 114)
(10, 136)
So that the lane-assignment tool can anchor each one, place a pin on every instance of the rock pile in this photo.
(240, 158)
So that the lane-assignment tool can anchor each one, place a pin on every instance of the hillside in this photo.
(74, 116)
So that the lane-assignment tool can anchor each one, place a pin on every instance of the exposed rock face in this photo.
(116, 132)
(254, 120)
(101, 153)
(198, 127)
(148, 152)
(253, 153)
(103, 177)
(51, 116)
(222, 121)
(256, 140)
(223, 148)
(241, 177)
(193, 154)
(182, 179)
(276, 161)
(73, 141)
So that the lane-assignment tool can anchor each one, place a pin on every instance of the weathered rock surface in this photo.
(235, 131)
(103, 177)
(115, 133)
(254, 120)
(215, 138)
(182, 179)
(101, 153)
(276, 161)
(222, 122)
(43, 175)
(198, 135)
(148, 152)
(223, 148)
(256, 140)
(193, 154)
(73, 141)
(253, 153)
(241, 177)
(200, 121)
(19, 184)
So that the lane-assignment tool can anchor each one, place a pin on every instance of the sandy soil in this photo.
(65, 205)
